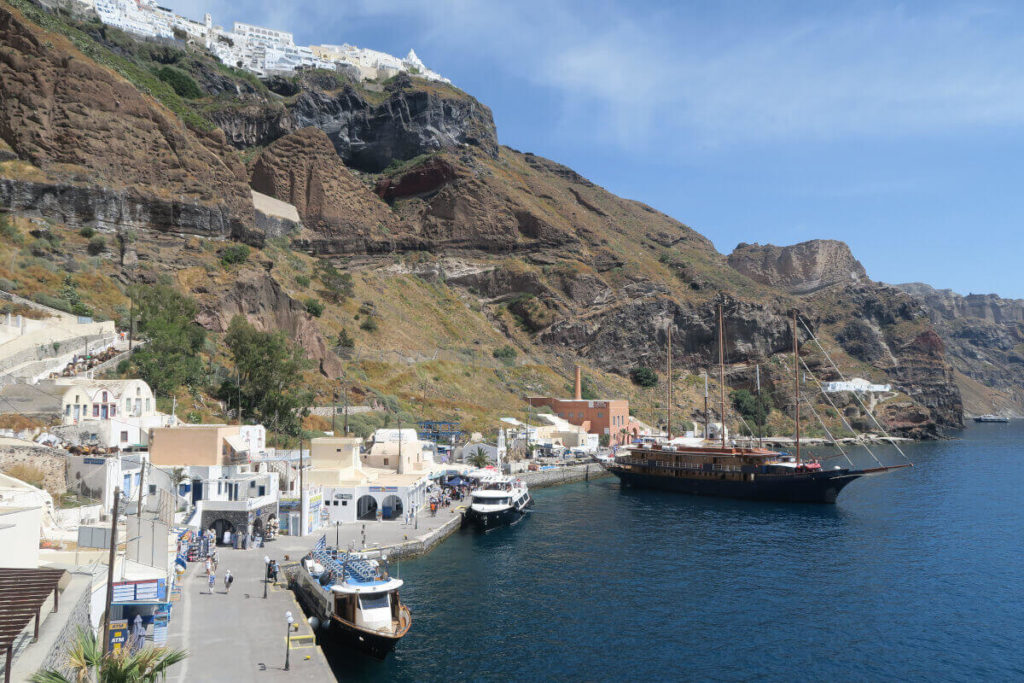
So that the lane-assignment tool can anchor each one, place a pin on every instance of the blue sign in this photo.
(118, 634)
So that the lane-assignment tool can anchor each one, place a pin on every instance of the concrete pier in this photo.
(563, 475)
(242, 636)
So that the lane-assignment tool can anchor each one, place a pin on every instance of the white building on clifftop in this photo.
(261, 50)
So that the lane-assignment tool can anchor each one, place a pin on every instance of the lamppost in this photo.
(337, 534)
(288, 649)
(266, 575)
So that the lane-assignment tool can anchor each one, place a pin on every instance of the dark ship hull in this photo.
(344, 634)
(483, 521)
(802, 487)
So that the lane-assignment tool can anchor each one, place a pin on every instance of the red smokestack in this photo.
(579, 384)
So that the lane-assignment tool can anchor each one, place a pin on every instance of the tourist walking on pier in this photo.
(228, 580)
(213, 580)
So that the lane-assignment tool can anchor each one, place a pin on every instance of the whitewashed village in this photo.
(257, 49)
(112, 504)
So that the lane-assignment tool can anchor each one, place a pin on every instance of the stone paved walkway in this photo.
(240, 635)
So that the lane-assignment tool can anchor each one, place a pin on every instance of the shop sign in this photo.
(160, 628)
(118, 634)
(132, 591)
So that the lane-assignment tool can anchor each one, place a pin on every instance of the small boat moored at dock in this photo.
(353, 599)
(499, 501)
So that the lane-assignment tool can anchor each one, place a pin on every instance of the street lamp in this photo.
(266, 575)
(288, 649)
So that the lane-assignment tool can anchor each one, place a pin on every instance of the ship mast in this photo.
(721, 367)
(796, 382)
(669, 428)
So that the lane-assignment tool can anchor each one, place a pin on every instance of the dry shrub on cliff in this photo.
(316, 423)
(19, 422)
(30, 474)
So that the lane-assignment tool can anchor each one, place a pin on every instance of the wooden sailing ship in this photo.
(718, 469)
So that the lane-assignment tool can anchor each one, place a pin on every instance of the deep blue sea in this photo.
(914, 575)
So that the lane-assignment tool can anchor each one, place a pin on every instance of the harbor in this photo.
(750, 587)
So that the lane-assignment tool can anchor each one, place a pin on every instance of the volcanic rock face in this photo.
(110, 209)
(266, 306)
(800, 268)
(79, 122)
(412, 121)
(253, 125)
(984, 339)
(886, 328)
(303, 169)
(634, 334)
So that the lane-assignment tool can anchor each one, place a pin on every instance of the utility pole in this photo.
(334, 414)
(142, 488)
(238, 386)
(131, 320)
(345, 389)
(110, 572)
(302, 490)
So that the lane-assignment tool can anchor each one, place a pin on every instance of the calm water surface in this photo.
(915, 575)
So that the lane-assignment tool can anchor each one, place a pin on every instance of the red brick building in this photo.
(609, 417)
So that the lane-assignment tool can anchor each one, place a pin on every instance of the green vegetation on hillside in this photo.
(269, 382)
(170, 357)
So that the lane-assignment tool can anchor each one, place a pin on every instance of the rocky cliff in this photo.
(414, 119)
(984, 338)
(884, 330)
(800, 268)
(454, 243)
(79, 124)
(340, 211)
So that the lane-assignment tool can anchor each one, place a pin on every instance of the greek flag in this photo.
(321, 544)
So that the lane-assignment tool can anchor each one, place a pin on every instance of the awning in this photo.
(22, 594)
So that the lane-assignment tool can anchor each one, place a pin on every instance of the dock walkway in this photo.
(241, 636)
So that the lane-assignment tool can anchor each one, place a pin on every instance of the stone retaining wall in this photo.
(563, 475)
(50, 460)
(79, 620)
(422, 545)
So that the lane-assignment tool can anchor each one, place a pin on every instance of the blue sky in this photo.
(895, 127)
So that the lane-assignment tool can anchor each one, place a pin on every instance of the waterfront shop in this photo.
(290, 520)
(141, 606)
